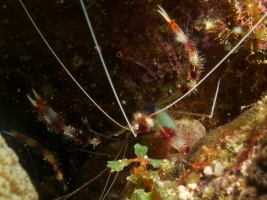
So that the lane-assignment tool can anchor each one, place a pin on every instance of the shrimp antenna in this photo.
(215, 99)
(122, 149)
(105, 193)
(65, 68)
(216, 66)
(104, 65)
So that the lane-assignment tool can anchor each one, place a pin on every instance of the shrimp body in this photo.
(165, 124)
(161, 122)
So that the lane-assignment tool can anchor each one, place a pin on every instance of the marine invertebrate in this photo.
(48, 156)
(57, 123)
(195, 60)
(219, 164)
(56, 88)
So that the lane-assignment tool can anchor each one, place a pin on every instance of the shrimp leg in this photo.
(57, 123)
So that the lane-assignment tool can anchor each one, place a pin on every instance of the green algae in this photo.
(141, 153)
(148, 183)
(227, 151)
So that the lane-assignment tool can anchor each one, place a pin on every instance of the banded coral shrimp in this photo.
(53, 75)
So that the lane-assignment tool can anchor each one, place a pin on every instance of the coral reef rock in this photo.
(14, 181)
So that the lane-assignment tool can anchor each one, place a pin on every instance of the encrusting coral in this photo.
(14, 181)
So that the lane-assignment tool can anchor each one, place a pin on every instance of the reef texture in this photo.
(227, 163)
(14, 181)
(228, 159)
(147, 66)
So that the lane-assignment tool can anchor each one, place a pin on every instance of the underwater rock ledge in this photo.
(14, 180)
(229, 162)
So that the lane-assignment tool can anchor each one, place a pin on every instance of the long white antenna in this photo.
(104, 65)
(124, 147)
(65, 68)
(215, 99)
(216, 66)
(105, 193)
